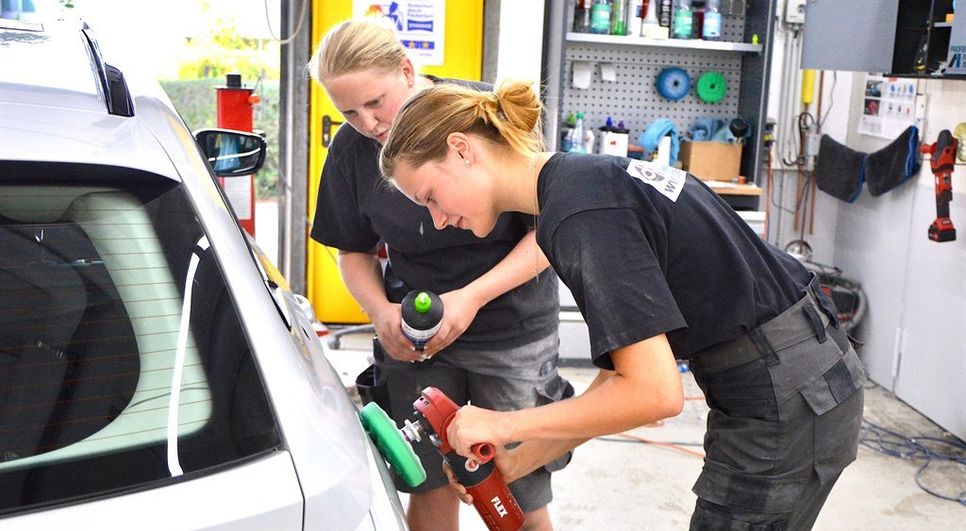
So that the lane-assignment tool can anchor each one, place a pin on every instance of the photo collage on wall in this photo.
(888, 106)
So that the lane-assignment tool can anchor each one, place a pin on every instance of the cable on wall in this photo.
(298, 26)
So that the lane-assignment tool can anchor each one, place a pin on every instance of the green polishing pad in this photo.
(394, 448)
(711, 87)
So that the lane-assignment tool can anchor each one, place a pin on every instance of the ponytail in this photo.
(508, 117)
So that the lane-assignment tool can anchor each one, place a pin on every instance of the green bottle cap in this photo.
(422, 302)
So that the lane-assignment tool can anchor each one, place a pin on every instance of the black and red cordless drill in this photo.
(943, 158)
(492, 499)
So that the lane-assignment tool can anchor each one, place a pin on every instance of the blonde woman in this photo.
(661, 268)
(497, 345)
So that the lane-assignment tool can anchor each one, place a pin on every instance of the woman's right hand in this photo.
(388, 324)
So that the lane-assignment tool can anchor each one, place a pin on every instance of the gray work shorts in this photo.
(786, 407)
(502, 380)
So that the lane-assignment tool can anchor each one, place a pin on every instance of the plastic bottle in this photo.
(582, 16)
(711, 31)
(566, 133)
(614, 139)
(590, 140)
(697, 18)
(577, 135)
(604, 129)
(422, 315)
(600, 17)
(618, 17)
(664, 11)
(681, 24)
(650, 24)
(635, 17)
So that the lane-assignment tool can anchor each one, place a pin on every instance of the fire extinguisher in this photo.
(235, 104)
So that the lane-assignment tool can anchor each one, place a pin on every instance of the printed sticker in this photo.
(664, 179)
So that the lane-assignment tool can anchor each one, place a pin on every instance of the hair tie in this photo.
(481, 109)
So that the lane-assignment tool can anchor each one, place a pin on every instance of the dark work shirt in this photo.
(647, 249)
(357, 208)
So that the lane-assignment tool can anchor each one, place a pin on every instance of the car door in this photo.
(129, 393)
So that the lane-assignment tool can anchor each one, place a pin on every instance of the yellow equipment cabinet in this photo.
(463, 59)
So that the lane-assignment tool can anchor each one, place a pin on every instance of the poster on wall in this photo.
(888, 106)
(956, 61)
(419, 25)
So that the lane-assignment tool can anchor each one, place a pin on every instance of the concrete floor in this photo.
(620, 483)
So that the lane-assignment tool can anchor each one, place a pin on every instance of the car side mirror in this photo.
(232, 153)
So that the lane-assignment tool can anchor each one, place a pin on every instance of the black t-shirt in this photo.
(357, 208)
(647, 249)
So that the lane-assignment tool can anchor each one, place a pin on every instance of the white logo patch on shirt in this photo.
(665, 179)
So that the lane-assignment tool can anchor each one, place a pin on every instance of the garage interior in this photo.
(913, 289)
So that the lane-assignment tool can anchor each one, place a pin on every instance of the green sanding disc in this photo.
(711, 87)
(394, 448)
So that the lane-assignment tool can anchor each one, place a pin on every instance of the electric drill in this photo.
(492, 499)
(943, 158)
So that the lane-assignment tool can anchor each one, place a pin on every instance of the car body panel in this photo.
(223, 501)
(326, 458)
(325, 438)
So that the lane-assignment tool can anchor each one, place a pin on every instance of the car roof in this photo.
(56, 104)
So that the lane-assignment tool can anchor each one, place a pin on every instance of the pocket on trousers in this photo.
(837, 399)
(836, 385)
(744, 391)
(749, 493)
(556, 390)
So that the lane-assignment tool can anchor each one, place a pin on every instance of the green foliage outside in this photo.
(204, 63)
(222, 51)
(195, 100)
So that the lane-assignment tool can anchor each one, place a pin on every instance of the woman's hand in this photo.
(472, 425)
(459, 310)
(387, 322)
(505, 462)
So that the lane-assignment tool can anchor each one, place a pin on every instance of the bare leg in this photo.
(436, 510)
(538, 520)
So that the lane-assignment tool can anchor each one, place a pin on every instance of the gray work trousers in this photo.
(786, 406)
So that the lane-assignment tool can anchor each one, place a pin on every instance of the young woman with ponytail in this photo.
(662, 270)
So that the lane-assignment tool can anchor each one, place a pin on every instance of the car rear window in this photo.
(123, 362)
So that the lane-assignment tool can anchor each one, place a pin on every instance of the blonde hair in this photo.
(508, 117)
(355, 45)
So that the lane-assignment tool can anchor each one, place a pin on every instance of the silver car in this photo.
(152, 374)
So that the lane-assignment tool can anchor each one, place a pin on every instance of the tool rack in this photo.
(633, 97)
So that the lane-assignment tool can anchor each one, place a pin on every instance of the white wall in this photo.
(915, 331)
(835, 102)
(521, 39)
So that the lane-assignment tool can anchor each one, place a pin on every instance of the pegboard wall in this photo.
(633, 97)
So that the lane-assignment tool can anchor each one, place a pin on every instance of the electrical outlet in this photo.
(794, 11)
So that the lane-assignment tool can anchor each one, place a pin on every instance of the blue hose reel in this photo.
(673, 83)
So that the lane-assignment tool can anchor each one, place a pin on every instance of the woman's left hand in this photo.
(459, 310)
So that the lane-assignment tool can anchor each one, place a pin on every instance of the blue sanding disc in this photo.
(673, 83)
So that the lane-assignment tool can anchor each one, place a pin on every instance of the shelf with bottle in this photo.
(694, 44)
